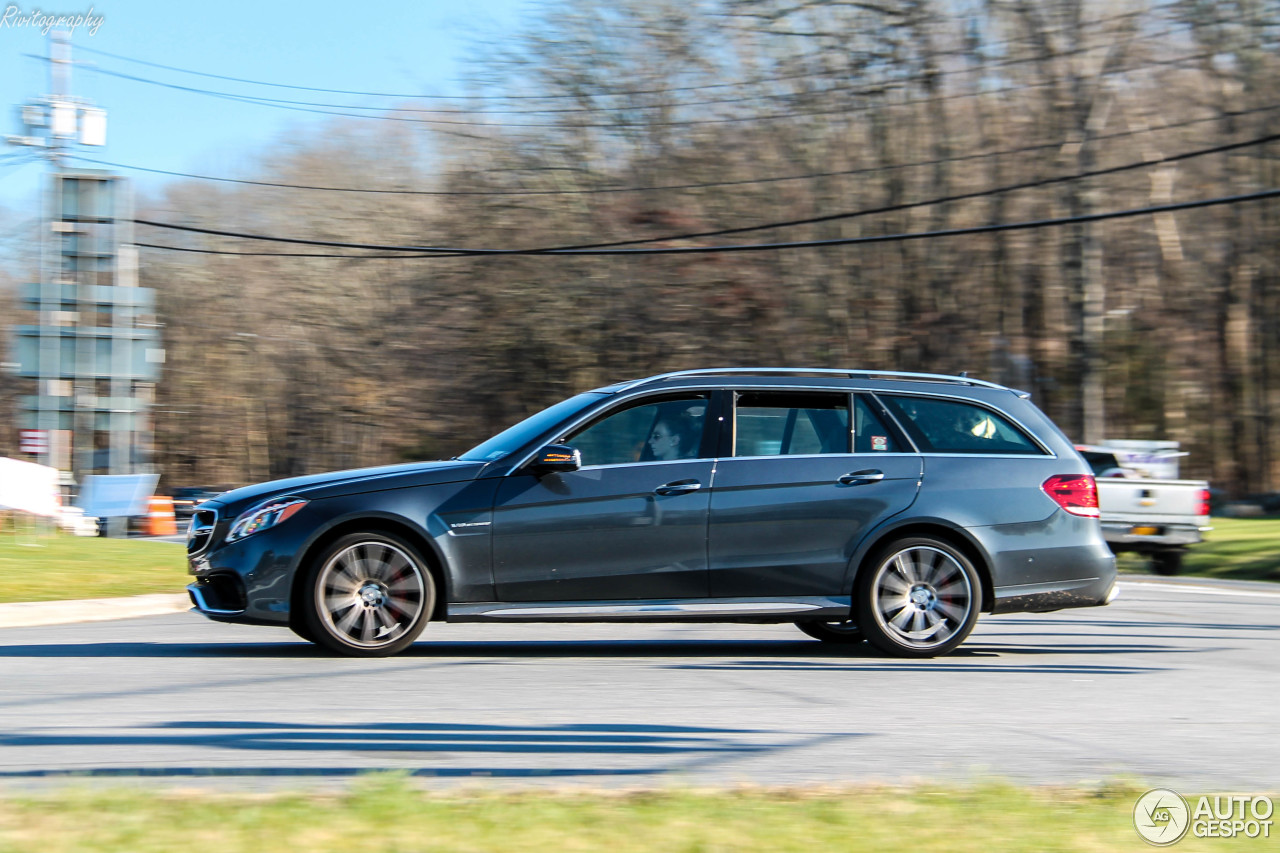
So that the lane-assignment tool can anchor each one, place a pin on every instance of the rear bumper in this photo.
(1139, 536)
(1040, 598)
(1061, 562)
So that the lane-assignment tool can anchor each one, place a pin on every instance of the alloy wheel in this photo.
(370, 594)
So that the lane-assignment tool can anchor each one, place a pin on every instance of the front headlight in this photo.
(264, 516)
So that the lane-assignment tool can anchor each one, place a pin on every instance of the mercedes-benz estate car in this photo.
(889, 507)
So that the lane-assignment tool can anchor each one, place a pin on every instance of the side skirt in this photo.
(789, 609)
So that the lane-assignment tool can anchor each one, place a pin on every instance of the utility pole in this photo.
(94, 349)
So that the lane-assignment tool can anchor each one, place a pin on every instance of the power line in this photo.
(11, 165)
(895, 208)
(752, 82)
(895, 81)
(952, 232)
(878, 89)
(769, 226)
(278, 254)
(691, 186)
(425, 252)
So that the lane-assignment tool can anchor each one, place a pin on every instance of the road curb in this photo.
(32, 614)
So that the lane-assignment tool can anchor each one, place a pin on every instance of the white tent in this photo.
(28, 487)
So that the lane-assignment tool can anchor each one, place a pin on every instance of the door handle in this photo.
(861, 478)
(679, 487)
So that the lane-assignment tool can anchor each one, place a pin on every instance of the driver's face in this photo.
(662, 443)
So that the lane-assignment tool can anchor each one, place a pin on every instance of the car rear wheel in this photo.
(919, 597)
(845, 631)
(368, 595)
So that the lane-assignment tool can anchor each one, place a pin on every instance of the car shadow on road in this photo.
(422, 749)
(1000, 656)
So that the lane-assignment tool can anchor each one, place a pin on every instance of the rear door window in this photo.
(785, 423)
(941, 425)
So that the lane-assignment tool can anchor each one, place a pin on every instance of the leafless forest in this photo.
(857, 129)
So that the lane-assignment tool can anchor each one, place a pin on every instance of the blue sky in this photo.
(418, 47)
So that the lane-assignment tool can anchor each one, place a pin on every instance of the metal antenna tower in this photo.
(94, 349)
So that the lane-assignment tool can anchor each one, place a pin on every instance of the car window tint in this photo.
(658, 431)
(870, 434)
(789, 424)
(950, 426)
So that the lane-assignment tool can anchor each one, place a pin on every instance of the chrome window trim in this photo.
(708, 459)
(868, 454)
(952, 455)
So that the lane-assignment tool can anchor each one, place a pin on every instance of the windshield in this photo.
(513, 438)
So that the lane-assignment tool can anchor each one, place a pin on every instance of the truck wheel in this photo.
(1166, 562)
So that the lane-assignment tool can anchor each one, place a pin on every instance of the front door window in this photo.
(657, 431)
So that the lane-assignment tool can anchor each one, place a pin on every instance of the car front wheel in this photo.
(919, 597)
(368, 595)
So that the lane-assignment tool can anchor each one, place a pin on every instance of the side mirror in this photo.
(556, 458)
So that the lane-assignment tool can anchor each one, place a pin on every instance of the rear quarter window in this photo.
(954, 426)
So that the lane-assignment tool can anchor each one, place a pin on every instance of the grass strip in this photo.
(58, 567)
(389, 813)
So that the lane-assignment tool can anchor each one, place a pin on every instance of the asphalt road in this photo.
(1174, 684)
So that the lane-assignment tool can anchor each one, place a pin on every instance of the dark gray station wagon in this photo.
(890, 507)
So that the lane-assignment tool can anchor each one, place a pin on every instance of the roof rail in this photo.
(821, 371)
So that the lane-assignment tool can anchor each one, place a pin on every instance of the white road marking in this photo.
(1199, 590)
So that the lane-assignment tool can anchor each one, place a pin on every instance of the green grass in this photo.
(54, 567)
(389, 814)
(1236, 548)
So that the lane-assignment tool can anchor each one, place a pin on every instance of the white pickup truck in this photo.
(1155, 517)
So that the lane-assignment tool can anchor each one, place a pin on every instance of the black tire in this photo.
(298, 625)
(917, 597)
(1166, 563)
(368, 595)
(845, 632)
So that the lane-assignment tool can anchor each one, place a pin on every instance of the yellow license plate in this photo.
(1144, 531)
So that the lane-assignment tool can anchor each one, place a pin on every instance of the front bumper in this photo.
(248, 581)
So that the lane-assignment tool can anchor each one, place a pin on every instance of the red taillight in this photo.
(1076, 493)
(1204, 502)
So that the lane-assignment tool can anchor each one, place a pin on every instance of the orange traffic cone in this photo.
(160, 520)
